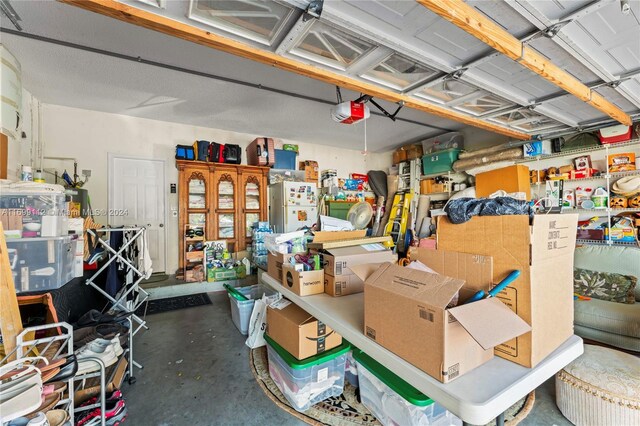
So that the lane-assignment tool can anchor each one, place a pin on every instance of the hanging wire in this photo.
(365, 152)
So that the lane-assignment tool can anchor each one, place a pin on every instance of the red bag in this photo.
(216, 152)
(261, 152)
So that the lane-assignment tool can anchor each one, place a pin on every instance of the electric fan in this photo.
(360, 215)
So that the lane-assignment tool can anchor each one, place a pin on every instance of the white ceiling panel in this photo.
(563, 59)
(615, 97)
(573, 109)
(557, 9)
(503, 15)
(515, 78)
(611, 38)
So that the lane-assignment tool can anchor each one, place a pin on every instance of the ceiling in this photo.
(69, 76)
(396, 44)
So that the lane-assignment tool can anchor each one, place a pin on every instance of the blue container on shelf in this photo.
(285, 159)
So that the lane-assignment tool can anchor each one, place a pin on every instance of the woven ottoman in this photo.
(600, 388)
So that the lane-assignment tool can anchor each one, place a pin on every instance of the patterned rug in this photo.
(345, 410)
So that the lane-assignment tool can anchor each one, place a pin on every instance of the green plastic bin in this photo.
(339, 209)
(439, 162)
(307, 382)
(394, 401)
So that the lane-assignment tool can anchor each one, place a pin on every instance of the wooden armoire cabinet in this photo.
(223, 199)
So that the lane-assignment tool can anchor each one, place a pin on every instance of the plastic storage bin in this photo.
(285, 159)
(33, 209)
(395, 402)
(40, 264)
(339, 209)
(307, 382)
(439, 162)
(351, 369)
(241, 309)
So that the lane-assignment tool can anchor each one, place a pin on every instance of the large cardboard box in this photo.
(406, 311)
(338, 261)
(303, 283)
(274, 264)
(510, 179)
(298, 332)
(543, 294)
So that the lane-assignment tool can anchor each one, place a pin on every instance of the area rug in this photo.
(173, 304)
(345, 410)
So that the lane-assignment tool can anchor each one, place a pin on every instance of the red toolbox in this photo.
(261, 152)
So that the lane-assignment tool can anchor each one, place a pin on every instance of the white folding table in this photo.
(476, 397)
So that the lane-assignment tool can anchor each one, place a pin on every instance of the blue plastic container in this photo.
(285, 159)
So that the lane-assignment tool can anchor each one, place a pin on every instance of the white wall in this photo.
(89, 136)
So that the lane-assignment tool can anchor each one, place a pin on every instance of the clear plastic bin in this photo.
(40, 264)
(307, 382)
(241, 309)
(41, 214)
(395, 402)
(351, 369)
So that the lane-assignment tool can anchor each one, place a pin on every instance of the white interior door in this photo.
(137, 197)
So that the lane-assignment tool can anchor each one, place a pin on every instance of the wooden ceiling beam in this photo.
(480, 26)
(187, 32)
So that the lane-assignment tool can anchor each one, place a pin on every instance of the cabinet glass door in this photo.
(252, 203)
(197, 194)
(225, 208)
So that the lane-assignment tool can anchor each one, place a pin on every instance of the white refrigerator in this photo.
(292, 205)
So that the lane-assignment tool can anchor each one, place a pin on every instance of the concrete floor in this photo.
(196, 372)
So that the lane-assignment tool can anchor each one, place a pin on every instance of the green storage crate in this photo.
(339, 209)
(402, 388)
(439, 162)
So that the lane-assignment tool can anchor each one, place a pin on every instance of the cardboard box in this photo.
(543, 294)
(11, 219)
(298, 332)
(274, 264)
(338, 261)
(475, 270)
(510, 179)
(405, 311)
(310, 169)
(343, 285)
(303, 283)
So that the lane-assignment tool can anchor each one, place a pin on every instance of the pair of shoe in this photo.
(105, 350)
(115, 410)
(50, 418)
(95, 317)
(106, 331)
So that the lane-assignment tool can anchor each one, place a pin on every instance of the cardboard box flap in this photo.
(476, 270)
(359, 249)
(326, 236)
(296, 314)
(490, 322)
(364, 271)
(433, 289)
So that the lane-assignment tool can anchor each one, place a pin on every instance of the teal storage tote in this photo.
(439, 162)
(394, 401)
(306, 382)
(285, 159)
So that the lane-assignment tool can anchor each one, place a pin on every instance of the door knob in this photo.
(162, 225)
